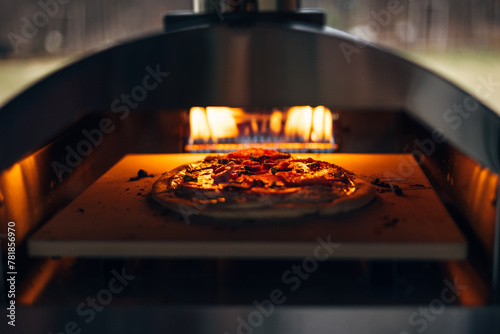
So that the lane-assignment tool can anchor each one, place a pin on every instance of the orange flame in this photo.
(275, 122)
(298, 122)
(199, 124)
(294, 129)
(222, 121)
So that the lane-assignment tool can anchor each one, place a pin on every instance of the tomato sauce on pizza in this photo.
(260, 178)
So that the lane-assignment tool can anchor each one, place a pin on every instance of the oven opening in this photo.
(289, 129)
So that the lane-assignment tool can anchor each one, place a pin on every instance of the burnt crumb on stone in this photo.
(127, 189)
(139, 194)
(417, 185)
(391, 223)
(398, 190)
(381, 184)
(395, 188)
(81, 210)
(140, 175)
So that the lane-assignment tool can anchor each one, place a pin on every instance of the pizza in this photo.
(257, 183)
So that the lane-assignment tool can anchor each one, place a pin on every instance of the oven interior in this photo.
(222, 281)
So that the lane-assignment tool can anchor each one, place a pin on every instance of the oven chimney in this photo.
(243, 6)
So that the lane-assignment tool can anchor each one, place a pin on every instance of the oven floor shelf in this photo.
(115, 217)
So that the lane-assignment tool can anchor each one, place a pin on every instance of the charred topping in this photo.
(189, 178)
(194, 168)
(246, 170)
(339, 175)
(253, 164)
(259, 159)
(257, 183)
(275, 169)
(210, 157)
(345, 180)
(313, 165)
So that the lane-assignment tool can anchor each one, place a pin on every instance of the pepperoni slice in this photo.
(309, 172)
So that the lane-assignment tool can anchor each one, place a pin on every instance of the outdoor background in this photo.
(458, 38)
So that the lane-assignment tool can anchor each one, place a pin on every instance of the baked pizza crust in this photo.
(163, 194)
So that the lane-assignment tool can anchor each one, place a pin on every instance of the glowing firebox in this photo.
(293, 129)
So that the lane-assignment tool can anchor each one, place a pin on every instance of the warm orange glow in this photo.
(227, 147)
(318, 131)
(42, 277)
(328, 124)
(474, 292)
(18, 186)
(275, 122)
(482, 185)
(222, 122)
(298, 122)
(213, 123)
(297, 128)
(199, 123)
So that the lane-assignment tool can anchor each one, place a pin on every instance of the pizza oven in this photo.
(93, 253)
